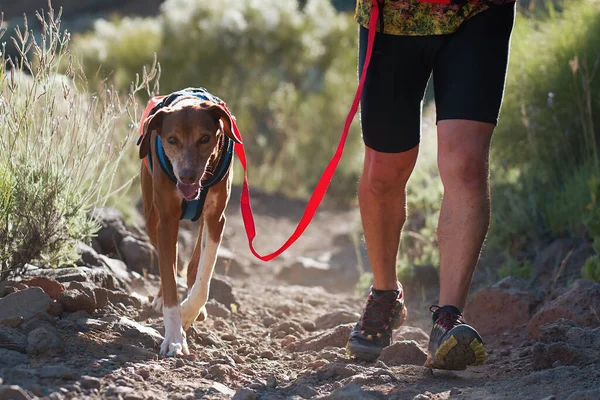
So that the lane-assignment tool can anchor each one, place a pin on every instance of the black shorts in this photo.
(469, 70)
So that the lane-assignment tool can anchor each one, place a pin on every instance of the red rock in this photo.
(505, 305)
(50, 286)
(580, 303)
(75, 300)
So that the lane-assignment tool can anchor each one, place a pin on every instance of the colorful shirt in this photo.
(413, 18)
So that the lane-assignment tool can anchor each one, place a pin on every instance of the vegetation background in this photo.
(288, 71)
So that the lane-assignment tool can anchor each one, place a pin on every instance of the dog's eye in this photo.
(172, 140)
(204, 139)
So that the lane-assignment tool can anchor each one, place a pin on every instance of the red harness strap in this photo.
(323, 184)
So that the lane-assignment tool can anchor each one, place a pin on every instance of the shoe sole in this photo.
(458, 352)
(360, 352)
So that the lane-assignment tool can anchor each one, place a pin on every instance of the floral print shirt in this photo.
(413, 18)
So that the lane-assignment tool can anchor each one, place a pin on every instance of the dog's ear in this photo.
(219, 113)
(153, 123)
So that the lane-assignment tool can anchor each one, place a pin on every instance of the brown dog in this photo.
(192, 135)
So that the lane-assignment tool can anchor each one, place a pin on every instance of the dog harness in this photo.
(191, 209)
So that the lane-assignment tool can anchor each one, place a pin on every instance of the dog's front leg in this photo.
(168, 226)
(194, 304)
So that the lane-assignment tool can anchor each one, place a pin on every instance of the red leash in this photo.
(323, 184)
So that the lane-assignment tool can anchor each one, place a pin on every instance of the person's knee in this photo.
(387, 174)
(464, 170)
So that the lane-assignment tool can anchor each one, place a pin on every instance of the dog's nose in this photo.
(187, 176)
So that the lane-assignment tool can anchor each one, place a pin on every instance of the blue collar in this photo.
(192, 209)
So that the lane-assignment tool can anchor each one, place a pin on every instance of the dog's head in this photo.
(190, 136)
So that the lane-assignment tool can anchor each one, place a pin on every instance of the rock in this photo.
(75, 300)
(336, 337)
(566, 343)
(57, 371)
(41, 320)
(55, 309)
(6, 290)
(43, 342)
(89, 382)
(88, 256)
(505, 305)
(92, 325)
(228, 265)
(116, 297)
(12, 339)
(99, 276)
(591, 394)
(77, 315)
(119, 269)
(24, 303)
(404, 352)
(13, 322)
(353, 391)
(112, 229)
(549, 260)
(335, 318)
(406, 332)
(10, 358)
(285, 328)
(149, 337)
(576, 303)
(245, 394)
(221, 291)
(305, 391)
(139, 256)
(308, 325)
(13, 392)
(217, 309)
(50, 286)
(268, 321)
(306, 272)
(101, 295)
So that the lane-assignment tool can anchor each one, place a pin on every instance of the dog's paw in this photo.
(190, 313)
(157, 304)
(175, 343)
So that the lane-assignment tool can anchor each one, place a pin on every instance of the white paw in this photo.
(174, 343)
(157, 304)
(189, 314)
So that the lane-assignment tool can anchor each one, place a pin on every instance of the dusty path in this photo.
(277, 341)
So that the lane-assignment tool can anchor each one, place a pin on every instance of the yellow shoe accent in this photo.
(479, 350)
(443, 350)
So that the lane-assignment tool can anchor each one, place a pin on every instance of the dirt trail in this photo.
(277, 341)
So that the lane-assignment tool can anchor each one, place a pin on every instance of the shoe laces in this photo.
(377, 315)
(447, 317)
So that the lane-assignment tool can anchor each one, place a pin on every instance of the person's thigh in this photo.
(470, 69)
(392, 97)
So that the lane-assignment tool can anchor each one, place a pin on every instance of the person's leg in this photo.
(391, 126)
(382, 201)
(463, 160)
(469, 75)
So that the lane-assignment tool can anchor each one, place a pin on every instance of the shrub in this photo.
(60, 149)
(545, 152)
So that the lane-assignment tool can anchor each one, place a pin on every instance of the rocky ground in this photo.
(278, 330)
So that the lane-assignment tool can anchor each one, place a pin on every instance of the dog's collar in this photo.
(192, 209)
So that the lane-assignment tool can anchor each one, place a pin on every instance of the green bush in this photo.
(591, 269)
(60, 149)
(287, 73)
(545, 152)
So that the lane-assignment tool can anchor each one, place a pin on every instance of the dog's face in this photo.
(190, 136)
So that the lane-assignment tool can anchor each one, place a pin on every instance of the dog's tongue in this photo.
(188, 191)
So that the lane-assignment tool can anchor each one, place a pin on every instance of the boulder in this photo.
(335, 318)
(138, 255)
(112, 229)
(44, 342)
(24, 303)
(75, 299)
(577, 303)
(505, 305)
(50, 286)
(402, 353)
(221, 291)
(335, 337)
